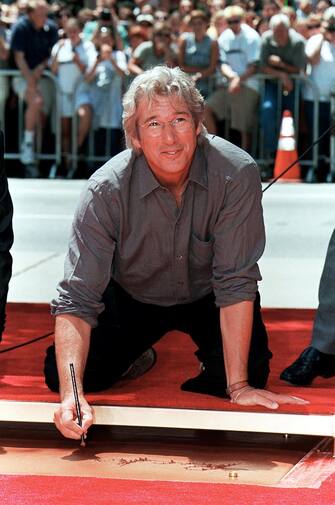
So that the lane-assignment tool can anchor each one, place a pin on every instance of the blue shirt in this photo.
(35, 44)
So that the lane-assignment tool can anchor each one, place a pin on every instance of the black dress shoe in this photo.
(206, 384)
(310, 364)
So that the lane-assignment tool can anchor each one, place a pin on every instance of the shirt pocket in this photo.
(201, 259)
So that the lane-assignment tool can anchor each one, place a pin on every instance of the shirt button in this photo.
(180, 283)
(179, 257)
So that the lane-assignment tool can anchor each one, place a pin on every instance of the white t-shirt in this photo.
(322, 74)
(239, 51)
(69, 74)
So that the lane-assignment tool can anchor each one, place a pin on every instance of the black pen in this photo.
(76, 399)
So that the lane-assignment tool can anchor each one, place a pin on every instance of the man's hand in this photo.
(235, 85)
(287, 84)
(66, 421)
(252, 396)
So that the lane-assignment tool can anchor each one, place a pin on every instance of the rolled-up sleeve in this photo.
(239, 239)
(88, 263)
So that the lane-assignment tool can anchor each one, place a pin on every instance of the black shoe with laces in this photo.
(141, 365)
(310, 364)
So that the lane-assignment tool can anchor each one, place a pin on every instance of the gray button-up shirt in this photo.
(129, 228)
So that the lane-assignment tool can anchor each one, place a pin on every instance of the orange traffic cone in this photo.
(287, 151)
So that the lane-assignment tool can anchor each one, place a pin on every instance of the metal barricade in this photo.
(91, 156)
(258, 149)
(299, 81)
(54, 156)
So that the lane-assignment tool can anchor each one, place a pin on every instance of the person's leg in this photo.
(126, 329)
(323, 336)
(203, 324)
(66, 135)
(84, 123)
(244, 115)
(319, 357)
(116, 137)
(216, 108)
(210, 120)
(268, 116)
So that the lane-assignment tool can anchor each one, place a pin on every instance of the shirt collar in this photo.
(148, 182)
(198, 171)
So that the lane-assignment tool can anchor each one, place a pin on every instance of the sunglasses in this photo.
(313, 27)
(233, 21)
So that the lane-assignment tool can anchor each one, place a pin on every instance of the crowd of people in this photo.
(95, 49)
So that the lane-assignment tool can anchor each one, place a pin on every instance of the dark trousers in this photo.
(323, 336)
(269, 113)
(128, 327)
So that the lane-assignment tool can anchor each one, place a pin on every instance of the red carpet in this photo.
(16, 490)
(21, 379)
(21, 370)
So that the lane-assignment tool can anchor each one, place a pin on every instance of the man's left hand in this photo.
(251, 396)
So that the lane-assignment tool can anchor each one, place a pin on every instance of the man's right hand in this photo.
(66, 420)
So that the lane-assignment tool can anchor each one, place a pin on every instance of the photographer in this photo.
(320, 51)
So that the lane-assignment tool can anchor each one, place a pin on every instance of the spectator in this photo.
(262, 25)
(107, 20)
(216, 6)
(161, 15)
(157, 51)
(33, 37)
(250, 18)
(239, 48)
(175, 21)
(290, 13)
(301, 26)
(185, 7)
(218, 24)
(313, 24)
(305, 9)
(136, 35)
(146, 22)
(282, 54)
(85, 15)
(198, 53)
(270, 8)
(320, 51)
(107, 76)
(71, 60)
(322, 5)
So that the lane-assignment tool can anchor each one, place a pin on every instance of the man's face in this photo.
(234, 23)
(39, 16)
(167, 136)
(280, 34)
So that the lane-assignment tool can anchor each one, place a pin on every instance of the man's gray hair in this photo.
(279, 19)
(160, 81)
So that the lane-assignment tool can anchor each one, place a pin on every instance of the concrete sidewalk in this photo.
(299, 220)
